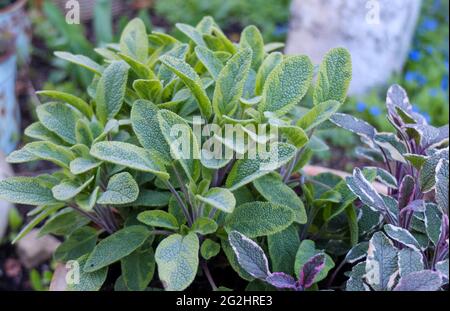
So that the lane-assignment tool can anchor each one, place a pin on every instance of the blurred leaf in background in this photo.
(232, 15)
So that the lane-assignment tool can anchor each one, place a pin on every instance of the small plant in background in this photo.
(40, 281)
(51, 27)
(231, 15)
(407, 247)
(125, 193)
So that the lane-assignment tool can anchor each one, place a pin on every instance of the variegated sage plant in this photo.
(125, 192)
(403, 231)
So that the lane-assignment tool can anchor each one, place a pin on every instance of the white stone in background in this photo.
(377, 33)
(5, 171)
(33, 250)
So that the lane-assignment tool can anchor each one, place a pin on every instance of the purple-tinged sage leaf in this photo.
(430, 136)
(356, 281)
(384, 177)
(310, 270)
(390, 143)
(281, 280)
(358, 252)
(406, 191)
(403, 236)
(409, 261)
(427, 176)
(362, 188)
(381, 263)
(415, 160)
(250, 255)
(443, 237)
(355, 125)
(392, 208)
(425, 280)
(397, 98)
(442, 184)
(442, 268)
(416, 206)
(306, 251)
(433, 222)
(369, 154)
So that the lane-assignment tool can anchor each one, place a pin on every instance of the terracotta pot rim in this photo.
(13, 6)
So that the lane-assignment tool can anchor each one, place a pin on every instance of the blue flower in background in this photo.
(415, 55)
(415, 108)
(430, 24)
(375, 111)
(280, 30)
(444, 83)
(437, 5)
(410, 76)
(446, 64)
(421, 79)
(433, 92)
(414, 76)
(427, 117)
(429, 49)
(360, 106)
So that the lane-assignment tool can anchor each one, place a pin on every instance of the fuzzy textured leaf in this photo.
(402, 235)
(335, 74)
(250, 255)
(283, 247)
(144, 118)
(138, 268)
(59, 119)
(158, 218)
(247, 170)
(177, 260)
(409, 261)
(121, 189)
(115, 247)
(425, 280)
(110, 92)
(268, 65)
(128, 155)
(230, 83)
(69, 189)
(272, 188)
(133, 41)
(89, 281)
(272, 218)
(318, 114)
(26, 190)
(286, 85)
(305, 252)
(220, 198)
(188, 75)
(382, 263)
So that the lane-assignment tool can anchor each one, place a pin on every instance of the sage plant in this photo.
(145, 176)
(407, 247)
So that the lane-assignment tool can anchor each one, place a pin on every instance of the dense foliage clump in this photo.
(147, 179)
